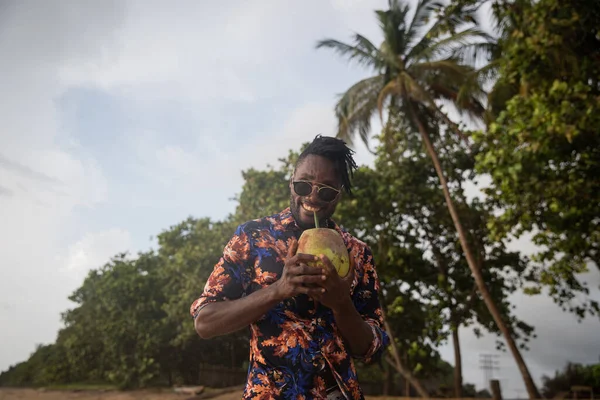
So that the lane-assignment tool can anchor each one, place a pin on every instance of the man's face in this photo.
(320, 172)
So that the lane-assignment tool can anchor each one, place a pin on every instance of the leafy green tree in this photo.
(113, 334)
(119, 306)
(399, 210)
(543, 151)
(572, 375)
(189, 250)
(46, 365)
(414, 69)
(266, 192)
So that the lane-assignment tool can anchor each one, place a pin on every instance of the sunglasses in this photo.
(324, 193)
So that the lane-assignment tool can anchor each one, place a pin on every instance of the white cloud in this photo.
(47, 177)
(94, 250)
(301, 126)
(149, 61)
(179, 169)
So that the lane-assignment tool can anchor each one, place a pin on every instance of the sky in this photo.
(119, 119)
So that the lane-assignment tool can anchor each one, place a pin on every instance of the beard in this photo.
(295, 209)
(324, 221)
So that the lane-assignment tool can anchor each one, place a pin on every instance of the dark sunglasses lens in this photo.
(327, 194)
(302, 188)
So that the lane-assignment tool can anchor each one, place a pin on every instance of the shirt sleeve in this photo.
(366, 301)
(230, 276)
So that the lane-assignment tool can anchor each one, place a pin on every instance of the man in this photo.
(307, 322)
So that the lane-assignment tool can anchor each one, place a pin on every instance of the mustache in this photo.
(311, 204)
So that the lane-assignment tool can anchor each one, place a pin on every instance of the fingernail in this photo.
(322, 290)
(323, 277)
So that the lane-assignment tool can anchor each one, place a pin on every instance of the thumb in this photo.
(293, 247)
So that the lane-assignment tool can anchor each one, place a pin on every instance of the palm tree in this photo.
(416, 68)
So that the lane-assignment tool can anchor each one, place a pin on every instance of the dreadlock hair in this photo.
(335, 150)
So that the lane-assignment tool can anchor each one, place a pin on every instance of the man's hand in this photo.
(337, 289)
(353, 327)
(298, 277)
(223, 317)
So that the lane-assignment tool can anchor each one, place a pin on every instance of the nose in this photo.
(314, 195)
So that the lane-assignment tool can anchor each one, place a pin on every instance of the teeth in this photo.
(310, 208)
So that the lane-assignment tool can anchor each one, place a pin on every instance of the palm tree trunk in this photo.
(458, 380)
(477, 276)
(396, 362)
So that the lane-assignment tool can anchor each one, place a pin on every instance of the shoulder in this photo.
(352, 240)
(356, 246)
(267, 222)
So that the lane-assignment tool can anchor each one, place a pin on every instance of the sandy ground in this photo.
(33, 394)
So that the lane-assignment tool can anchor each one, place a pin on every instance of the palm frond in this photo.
(450, 67)
(393, 61)
(450, 72)
(392, 87)
(451, 19)
(455, 16)
(476, 53)
(426, 99)
(432, 49)
(423, 14)
(392, 23)
(464, 98)
(488, 72)
(365, 44)
(412, 90)
(415, 68)
(364, 52)
(470, 98)
(355, 109)
(503, 22)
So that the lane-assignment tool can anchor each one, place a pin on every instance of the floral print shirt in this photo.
(296, 349)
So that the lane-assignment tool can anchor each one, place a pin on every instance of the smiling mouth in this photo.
(310, 208)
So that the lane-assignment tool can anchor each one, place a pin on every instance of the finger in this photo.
(293, 269)
(300, 258)
(306, 258)
(292, 249)
(309, 279)
(304, 269)
(296, 272)
(328, 265)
